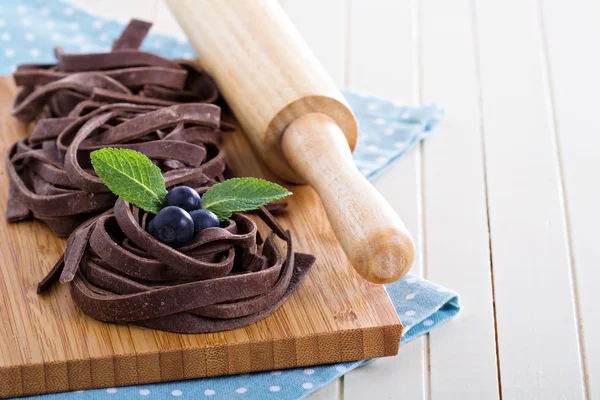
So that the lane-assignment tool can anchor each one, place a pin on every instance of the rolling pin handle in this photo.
(368, 229)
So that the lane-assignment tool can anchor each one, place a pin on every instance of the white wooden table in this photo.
(503, 199)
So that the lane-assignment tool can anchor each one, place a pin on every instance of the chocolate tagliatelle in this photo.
(124, 98)
(50, 171)
(117, 272)
(124, 75)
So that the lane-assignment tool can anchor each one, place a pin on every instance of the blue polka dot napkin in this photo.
(29, 29)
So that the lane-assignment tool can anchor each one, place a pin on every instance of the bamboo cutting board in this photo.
(48, 345)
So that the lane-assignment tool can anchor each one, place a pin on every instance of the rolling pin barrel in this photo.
(298, 121)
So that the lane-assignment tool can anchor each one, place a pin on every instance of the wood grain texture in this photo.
(48, 345)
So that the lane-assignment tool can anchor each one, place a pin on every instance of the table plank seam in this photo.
(546, 70)
(478, 78)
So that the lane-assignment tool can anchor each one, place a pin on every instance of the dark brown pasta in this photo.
(224, 279)
(125, 74)
(51, 176)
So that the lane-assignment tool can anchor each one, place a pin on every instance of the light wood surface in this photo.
(48, 345)
(526, 193)
(573, 76)
(462, 355)
(432, 51)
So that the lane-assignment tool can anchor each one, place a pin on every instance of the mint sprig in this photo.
(241, 194)
(132, 176)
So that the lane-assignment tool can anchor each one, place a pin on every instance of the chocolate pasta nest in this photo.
(50, 171)
(124, 98)
(226, 278)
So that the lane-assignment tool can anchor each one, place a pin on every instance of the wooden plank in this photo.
(400, 377)
(575, 87)
(324, 31)
(331, 391)
(383, 61)
(537, 328)
(462, 353)
(50, 331)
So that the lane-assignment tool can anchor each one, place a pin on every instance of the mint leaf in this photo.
(241, 194)
(131, 176)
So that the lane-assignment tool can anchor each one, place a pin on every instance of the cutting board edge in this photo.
(200, 362)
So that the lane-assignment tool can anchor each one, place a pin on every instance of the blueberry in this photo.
(173, 226)
(204, 219)
(184, 197)
(150, 226)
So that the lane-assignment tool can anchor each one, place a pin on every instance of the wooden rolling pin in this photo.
(298, 122)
